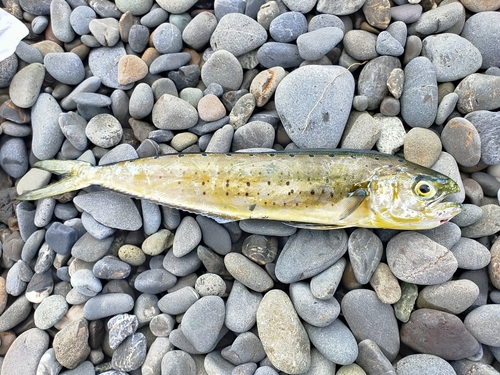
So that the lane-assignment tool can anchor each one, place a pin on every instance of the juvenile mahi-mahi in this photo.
(316, 190)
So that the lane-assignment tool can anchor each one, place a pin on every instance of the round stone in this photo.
(47, 135)
(136, 8)
(474, 93)
(197, 32)
(131, 69)
(422, 146)
(104, 130)
(167, 38)
(210, 284)
(223, 68)
(173, 113)
(50, 311)
(313, 103)
(210, 108)
(360, 44)
(65, 67)
(481, 29)
(424, 364)
(483, 323)
(26, 84)
(453, 296)
(288, 26)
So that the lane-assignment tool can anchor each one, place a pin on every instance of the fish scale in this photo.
(314, 189)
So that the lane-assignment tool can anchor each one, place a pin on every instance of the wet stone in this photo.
(260, 249)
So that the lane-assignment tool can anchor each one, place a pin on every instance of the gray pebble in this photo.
(214, 235)
(360, 44)
(161, 325)
(122, 152)
(447, 234)
(407, 13)
(146, 308)
(120, 327)
(481, 29)
(124, 215)
(488, 183)
(245, 368)
(398, 31)
(170, 61)
(47, 135)
(151, 216)
(104, 305)
(185, 76)
(487, 225)
(247, 272)
(28, 54)
(39, 24)
(223, 7)
(154, 281)
(60, 13)
(25, 213)
(173, 113)
(91, 84)
(453, 57)
(187, 236)
(388, 45)
(175, 303)
(110, 268)
(312, 45)
(15, 313)
(415, 258)
(288, 26)
(13, 156)
(295, 263)
(167, 38)
(203, 321)
(319, 313)
(473, 91)
(61, 238)
(221, 139)
(181, 266)
(197, 33)
(272, 54)
(48, 363)
(453, 296)
(25, 352)
(226, 36)
(178, 362)
(482, 322)
(424, 364)
(438, 19)
(255, 134)
(45, 259)
(17, 278)
(369, 318)
(446, 107)
(325, 20)
(138, 38)
(339, 9)
(222, 68)
(94, 228)
(324, 284)
(245, 348)
(65, 67)
(90, 249)
(141, 101)
(365, 251)
(300, 113)
(241, 308)
(86, 283)
(483, 121)
(469, 215)
(32, 245)
(50, 311)
(80, 19)
(372, 359)
(131, 354)
(92, 99)
(154, 17)
(104, 130)
(419, 99)
(470, 254)
(102, 63)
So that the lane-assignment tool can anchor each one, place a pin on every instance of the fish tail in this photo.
(76, 174)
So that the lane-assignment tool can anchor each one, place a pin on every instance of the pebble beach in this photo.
(96, 282)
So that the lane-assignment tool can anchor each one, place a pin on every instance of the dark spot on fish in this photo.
(311, 155)
(268, 183)
(203, 182)
(353, 156)
(389, 166)
(308, 178)
(265, 203)
(274, 203)
(296, 204)
(331, 195)
(180, 155)
(331, 155)
(291, 191)
(326, 116)
(227, 193)
(178, 183)
(203, 154)
(246, 194)
(284, 204)
(312, 192)
(204, 193)
(322, 191)
(291, 155)
(252, 207)
(156, 157)
(248, 183)
(287, 183)
(228, 154)
(377, 158)
(401, 160)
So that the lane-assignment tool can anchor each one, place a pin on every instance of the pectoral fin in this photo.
(348, 205)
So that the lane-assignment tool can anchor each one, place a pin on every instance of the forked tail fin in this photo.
(76, 177)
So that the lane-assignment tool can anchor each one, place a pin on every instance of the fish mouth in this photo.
(444, 211)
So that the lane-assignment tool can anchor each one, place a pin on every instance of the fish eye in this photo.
(424, 189)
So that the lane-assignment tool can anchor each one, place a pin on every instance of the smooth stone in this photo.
(313, 45)
(157, 242)
(161, 325)
(407, 13)
(177, 362)
(310, 124)
(177, 302)
(420, 91)
(372, 359)
(138, 40)
(25, 352)
(489, 184)
(285, 55)
(288, 26)
(227, 35)
(482, 323)
(131, 354)
(136, 8)
(173, 113)
(462, 140)
(223, 68)
(424, 364)
(50, 311)
(103, 64)
(254, 134)
(487, 225)
(260, 249)
(169, 61)
(13, 156)
(25, 213)
(104, 130)
(210, 108)
(264, 85)
(86, 283)
(125, 214)
(15, 313)
(71, 344)
(32, 245)
(203, 321)
(241, 308)
(65, 67)
(245, 348)
(167, 38)
(470, 254)
(481, 29)
(214, 235)
(438, 20)
(181, 266)
(214, 363)
(422, 146)
(373, 79)
(131, 69)
(104, 305)
(360, 45)
(494, 266)
(388, 45)
(358, 307)
(242, 110)
(469, 215)
(480, 278)
(90, 84)
(395, 82)
(474, 93)
(453, 296)
(385, 284)
(362, 131)
(197, 33)
(438, 333)
(431, 263)
(484, 122)
(187, 238)
(282, 335)
(247, 272)
(8, 68)
(404, 307)
(318, 313)
(339, 9)
(453, 57)
(60, 13)
(324, 284)
(110, 268)
(47, 135)
(90, 249)
(154, 281)
(365, 251)
(141, 101)
(177, 7)
(80, 19)
(294, 263)
(377, 13)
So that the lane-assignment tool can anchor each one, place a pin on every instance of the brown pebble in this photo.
(385, 284)
(494, 266)
(131, 69)
(149, 55)
(422, 146)
(390, 106)
(378, 13)
(395, 82)
(3, 295)
(210, 108)
(265, 83)
(477, 6)
(6, 339)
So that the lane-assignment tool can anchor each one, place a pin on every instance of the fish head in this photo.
(411, 198)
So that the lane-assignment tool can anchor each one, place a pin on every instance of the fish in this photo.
(319, 189)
